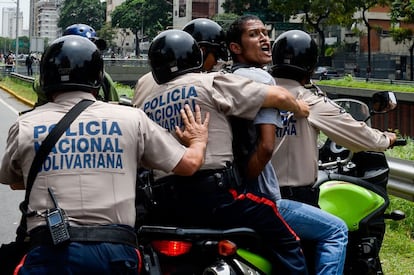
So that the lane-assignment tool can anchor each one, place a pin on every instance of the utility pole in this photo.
(17, 34)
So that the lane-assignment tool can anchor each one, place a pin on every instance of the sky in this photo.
(24, 6)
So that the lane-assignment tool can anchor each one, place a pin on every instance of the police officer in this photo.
(295, 55)
(212, 41)
(92, 169)
(108, 91)
(210, 197)
(250, 48)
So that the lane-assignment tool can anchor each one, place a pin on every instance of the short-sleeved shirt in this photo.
(295, 158)
(92, 168)
(219, 93)
(267, 180)
(144, 87)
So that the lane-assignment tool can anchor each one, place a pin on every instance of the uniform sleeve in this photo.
(238, 96)
(10, 169)
(342, 128)
(160, 148)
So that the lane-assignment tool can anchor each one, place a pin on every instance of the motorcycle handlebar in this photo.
(400, 142)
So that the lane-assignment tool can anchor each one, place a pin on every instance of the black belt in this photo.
(291, 190)
(204, 181)
(112, 234)
(305, 194)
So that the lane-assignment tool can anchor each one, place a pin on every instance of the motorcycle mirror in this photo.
(383, 102)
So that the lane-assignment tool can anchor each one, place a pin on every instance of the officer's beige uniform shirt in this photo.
(144, 87)
(92, 169)
(295, 158)
(219, 93)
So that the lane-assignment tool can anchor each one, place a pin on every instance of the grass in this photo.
(397, 252)
(25, 90)
(402, 152)
(350, 82)
(22, 88)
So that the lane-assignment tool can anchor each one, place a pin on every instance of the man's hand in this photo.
(195, 130)
(392, 137)
(303, 109)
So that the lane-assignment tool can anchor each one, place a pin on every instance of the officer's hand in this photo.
(303, 109)
(195, 130)
(392, 137)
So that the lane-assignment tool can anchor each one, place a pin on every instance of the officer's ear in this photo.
(235, 48)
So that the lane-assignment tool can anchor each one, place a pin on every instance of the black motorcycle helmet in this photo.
(173, 53)
(209, 34)
(69, 63)
(294, 55)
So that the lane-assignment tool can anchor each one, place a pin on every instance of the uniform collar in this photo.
(71, 98)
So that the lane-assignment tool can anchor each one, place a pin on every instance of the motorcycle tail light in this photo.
(171, 248)
(227, 248)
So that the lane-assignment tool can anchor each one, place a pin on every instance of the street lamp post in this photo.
(17, 34)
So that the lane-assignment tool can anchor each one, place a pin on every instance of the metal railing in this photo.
(401, 181)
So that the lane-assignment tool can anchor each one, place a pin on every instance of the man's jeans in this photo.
(328, 232)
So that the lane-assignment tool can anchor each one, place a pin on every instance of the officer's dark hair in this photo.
(235, 31)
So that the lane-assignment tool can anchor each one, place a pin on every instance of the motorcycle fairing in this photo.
(350, 202)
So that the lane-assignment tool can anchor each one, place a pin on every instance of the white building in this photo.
(8, 24)
(45, 19)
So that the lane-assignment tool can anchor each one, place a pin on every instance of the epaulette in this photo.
(314, 89)
(25, 111)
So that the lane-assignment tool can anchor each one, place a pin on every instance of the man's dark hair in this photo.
(235, 31)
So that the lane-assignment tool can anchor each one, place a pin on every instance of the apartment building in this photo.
(8, 24)
(45, 18)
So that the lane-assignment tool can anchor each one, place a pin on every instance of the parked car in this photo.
(325, 72)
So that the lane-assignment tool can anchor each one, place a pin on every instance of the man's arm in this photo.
(343, 129)
(264, 151)
(195, 136)
(280, 98)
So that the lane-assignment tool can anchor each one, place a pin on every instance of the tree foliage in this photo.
(148, 16)
(260, 8)
(107, 33)
(225, 19)
(317, 14)
(90, 12)
(403, 11)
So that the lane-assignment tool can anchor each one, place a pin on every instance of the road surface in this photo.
(9, 199)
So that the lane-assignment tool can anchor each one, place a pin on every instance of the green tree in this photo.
(364, 7)
(142, 17)
(107, 33)
(90, 12)
(244, 6)
(260, 8)
(403, 11)
(317, 14)
(224, 19)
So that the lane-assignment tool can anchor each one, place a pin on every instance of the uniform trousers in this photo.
(81, 258)
(228, 209)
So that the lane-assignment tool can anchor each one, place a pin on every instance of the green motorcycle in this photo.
(353, 187)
